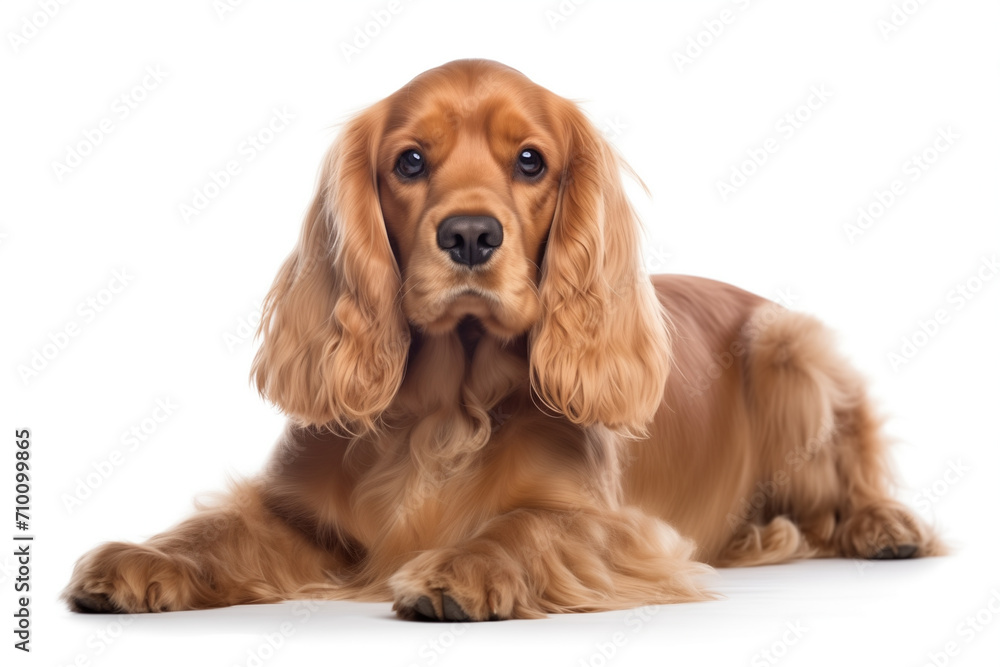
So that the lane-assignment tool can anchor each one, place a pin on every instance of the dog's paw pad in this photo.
(424, 609)
(453, 611)
(900, 552)
(91, 603)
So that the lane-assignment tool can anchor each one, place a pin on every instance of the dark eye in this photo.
(530, 163)
(410, 164)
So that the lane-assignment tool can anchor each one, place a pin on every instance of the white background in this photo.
(683, 127)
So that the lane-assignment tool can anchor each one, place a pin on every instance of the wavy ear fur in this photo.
(334, 337)
(600, 352)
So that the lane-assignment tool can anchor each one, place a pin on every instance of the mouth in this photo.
(474, 298)
(505, 314)
(462, 304)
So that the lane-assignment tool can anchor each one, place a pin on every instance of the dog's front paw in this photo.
(456, 585)
(127, 578)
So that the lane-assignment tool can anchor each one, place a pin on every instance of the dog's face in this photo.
(469, 169)
(469, 194)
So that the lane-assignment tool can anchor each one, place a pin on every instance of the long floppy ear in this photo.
(600, 352)
(334, 337)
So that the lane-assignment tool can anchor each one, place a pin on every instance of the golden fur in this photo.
(548, 431)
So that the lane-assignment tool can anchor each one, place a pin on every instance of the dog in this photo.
(491, 406)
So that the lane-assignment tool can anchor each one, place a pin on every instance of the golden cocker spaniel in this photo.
(492, 408)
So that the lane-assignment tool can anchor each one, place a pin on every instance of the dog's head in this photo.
(469, 193)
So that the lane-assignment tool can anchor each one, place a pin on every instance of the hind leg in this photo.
(823, 459)
(870, 522)
(777, 541)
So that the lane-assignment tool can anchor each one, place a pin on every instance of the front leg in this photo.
(530, 562)
(237, 552)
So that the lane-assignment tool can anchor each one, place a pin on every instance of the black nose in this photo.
(470, 239)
